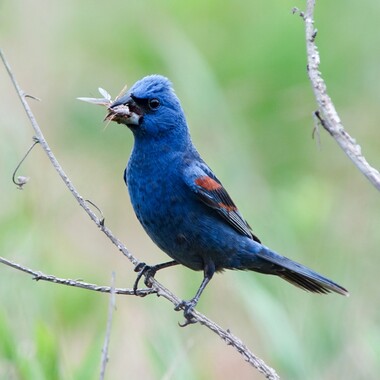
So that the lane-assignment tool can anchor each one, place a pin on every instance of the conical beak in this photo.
(125, 111)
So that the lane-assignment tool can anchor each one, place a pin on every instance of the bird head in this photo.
(150, 108)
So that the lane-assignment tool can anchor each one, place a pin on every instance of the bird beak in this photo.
(125, 111)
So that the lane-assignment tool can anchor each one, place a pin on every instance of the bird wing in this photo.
(211, 192)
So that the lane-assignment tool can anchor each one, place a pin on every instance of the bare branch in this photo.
(230, 339)
(327, 113)
(226, 335)
(111, 308)
(39, 276)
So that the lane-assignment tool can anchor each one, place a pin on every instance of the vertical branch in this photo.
(327, 114)
(111, 308)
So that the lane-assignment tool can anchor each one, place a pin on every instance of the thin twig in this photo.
(21, 181)
(230, 339)
(327, 113)
(111, 308)
(102, 218)
(39, 276)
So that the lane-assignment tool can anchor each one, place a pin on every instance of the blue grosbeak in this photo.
(182, 205)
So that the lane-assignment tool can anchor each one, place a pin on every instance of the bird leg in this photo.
(149, 272)
(188, 306)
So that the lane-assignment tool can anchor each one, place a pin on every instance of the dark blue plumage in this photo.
(183, 206)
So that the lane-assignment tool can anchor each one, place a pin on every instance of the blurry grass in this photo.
(47, 355)
(168, 355)
(239, 69)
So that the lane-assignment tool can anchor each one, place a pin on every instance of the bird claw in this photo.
(144, 270)
(187, 307)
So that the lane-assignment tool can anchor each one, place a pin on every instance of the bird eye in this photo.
(154, 104)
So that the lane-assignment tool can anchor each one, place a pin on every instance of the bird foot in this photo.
(187, 307)
(144, 270)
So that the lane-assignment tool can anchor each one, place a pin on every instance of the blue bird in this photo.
(183, 206)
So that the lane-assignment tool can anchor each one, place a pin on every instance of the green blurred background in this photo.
(239, 68)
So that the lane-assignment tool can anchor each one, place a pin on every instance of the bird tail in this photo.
(296, 274)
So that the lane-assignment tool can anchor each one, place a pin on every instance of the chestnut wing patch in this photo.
(211, 192)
